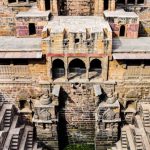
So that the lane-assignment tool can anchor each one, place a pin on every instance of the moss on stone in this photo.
(80, 147)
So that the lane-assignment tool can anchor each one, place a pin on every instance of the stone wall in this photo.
(131, 30)
(144, 16)
(129, 70)
(95, 44)
(76, 8)
(7, 21)
(22, 26)
(77, 107)
(36, 70)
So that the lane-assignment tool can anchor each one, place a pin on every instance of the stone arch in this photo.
(131, 1)
(95, 64)
(122, 30)
(58, 69)
(95, 69)
(84, 59)
(120, 1)
(23, 99)
(77, 67)
(140, 1)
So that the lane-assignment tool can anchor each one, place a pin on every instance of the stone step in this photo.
(14, 140)
(14, 144)
(7, 120)
(8, 115)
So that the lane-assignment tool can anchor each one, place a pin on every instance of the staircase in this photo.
(124, 140)
(139, 144)
(8, 118)
(29, 143)
(146, 118)
(15, 142)
(1, 97)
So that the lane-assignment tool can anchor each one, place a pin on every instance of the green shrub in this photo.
(80, 147)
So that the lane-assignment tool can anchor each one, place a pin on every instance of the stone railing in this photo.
(137, 74)
(14, 72)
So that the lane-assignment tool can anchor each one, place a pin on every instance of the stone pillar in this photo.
(49, 68)
(42, 5)
(126, 2)
(96, 7)
(99, 7)
(109, 5)
(113, 5)
(105, 68)
(66, 68)
(87, 70)
(54, 8)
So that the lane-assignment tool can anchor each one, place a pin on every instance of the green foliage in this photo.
(80, 147)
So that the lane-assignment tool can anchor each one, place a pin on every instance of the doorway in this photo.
(32, 29)
(47, 5)
(122, 30)
(106, 4)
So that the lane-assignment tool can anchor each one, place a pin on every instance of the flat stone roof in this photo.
(77, 24)
(120, 13)
(12, 43)
(124, 45)
(33, 12)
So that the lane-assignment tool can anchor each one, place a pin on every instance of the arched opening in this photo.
(62, 6)
(44, 126)
(106, 4)
(77, 67)
(122, 30)
(58, 69)
(12, 1)
(120, 1)
(131, 1)
(22, 104)
(47, 5)
(88, 34)
(65, 38)
(95, 68)
(140, 1)
(130, 104)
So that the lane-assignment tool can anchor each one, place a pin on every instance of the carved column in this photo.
(99, 7)
(113, 5)
(42, 5)
(109, 5)
(105, 68)
(66, 68)
(50, 69)
(54, 7)
(87, 69)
